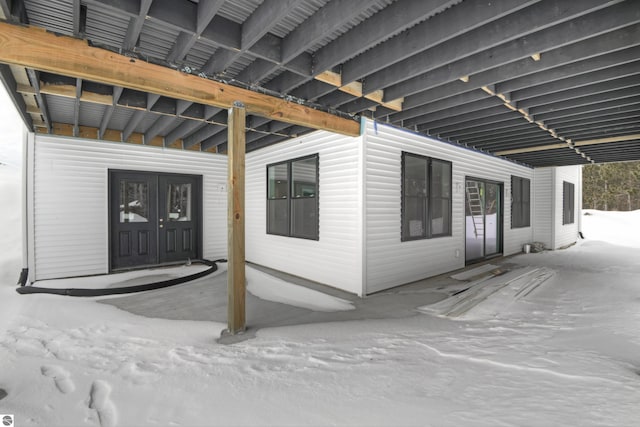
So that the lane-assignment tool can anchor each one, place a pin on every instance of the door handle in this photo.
(161, 226)
(161, 219)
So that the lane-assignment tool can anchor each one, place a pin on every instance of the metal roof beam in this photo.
(589, 108)
(324, 21)
(592, 89)
(527, 136)
(494, 115)
(571, 104)
(474, 25)
(357, 105)
(313, 90)
(510, 132)
(601, 132)
(387, 23)
(265, 17)
(514, 122)
(159, 126)
(214, 141)
(476, 110)
(555, 64)
(531, 141)
(596, 122)
(34, 78)
(135, 26)
(17, 12)
(579, 80)
(205, 11)
(179, 131)
(76, 108)
(589, 117)
(133, 122)
(335, 99)
(583, 27)
(106, 117)
(5, 10)
(257, 25)
(204, 132)
(458, 104)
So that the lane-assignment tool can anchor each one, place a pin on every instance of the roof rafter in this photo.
(583, 27)
(439, 29)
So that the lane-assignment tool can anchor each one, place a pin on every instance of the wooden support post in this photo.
(235, 197)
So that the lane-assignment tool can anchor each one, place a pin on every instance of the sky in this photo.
(11, 127)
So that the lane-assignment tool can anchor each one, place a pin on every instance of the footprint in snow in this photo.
(60, 377)
(99, 400)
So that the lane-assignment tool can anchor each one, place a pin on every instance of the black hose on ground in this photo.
(80, 292)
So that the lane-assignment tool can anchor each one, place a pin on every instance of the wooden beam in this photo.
(36, 48)
(531, 149)
(235, 198)
(355, 89)
(575, 143)
(632, 137)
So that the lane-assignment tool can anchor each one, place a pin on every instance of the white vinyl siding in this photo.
(548, 203)
(390, 262)
(543, 206)
(566, 234)
(335, 259)
(71, 199)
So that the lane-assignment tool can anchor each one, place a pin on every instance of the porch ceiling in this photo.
(541, 82)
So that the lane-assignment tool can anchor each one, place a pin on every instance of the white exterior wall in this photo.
(336, 258)
(70, 200)
(567, 234)
(543, 193)
(548, 205)
(390, 262)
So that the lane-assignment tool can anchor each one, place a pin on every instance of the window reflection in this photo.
(134, 201)
(179, 202)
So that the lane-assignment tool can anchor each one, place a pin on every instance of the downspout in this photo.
(363, 204)
(24, 273)
(554, 214)
(579, 204)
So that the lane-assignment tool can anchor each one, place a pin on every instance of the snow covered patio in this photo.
(565, 354)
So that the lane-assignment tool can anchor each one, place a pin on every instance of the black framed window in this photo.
(520, 202)
(568, 203)
(426, 197)
(292, 198)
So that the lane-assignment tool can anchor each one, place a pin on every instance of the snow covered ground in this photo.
(568, 353)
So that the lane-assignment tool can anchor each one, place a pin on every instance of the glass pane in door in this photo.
(134, 201)
(179, 202)
(474, 213)
(492, 219)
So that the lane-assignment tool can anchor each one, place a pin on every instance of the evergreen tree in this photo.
(611, 186)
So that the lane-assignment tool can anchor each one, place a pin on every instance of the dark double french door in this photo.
(154, 218)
